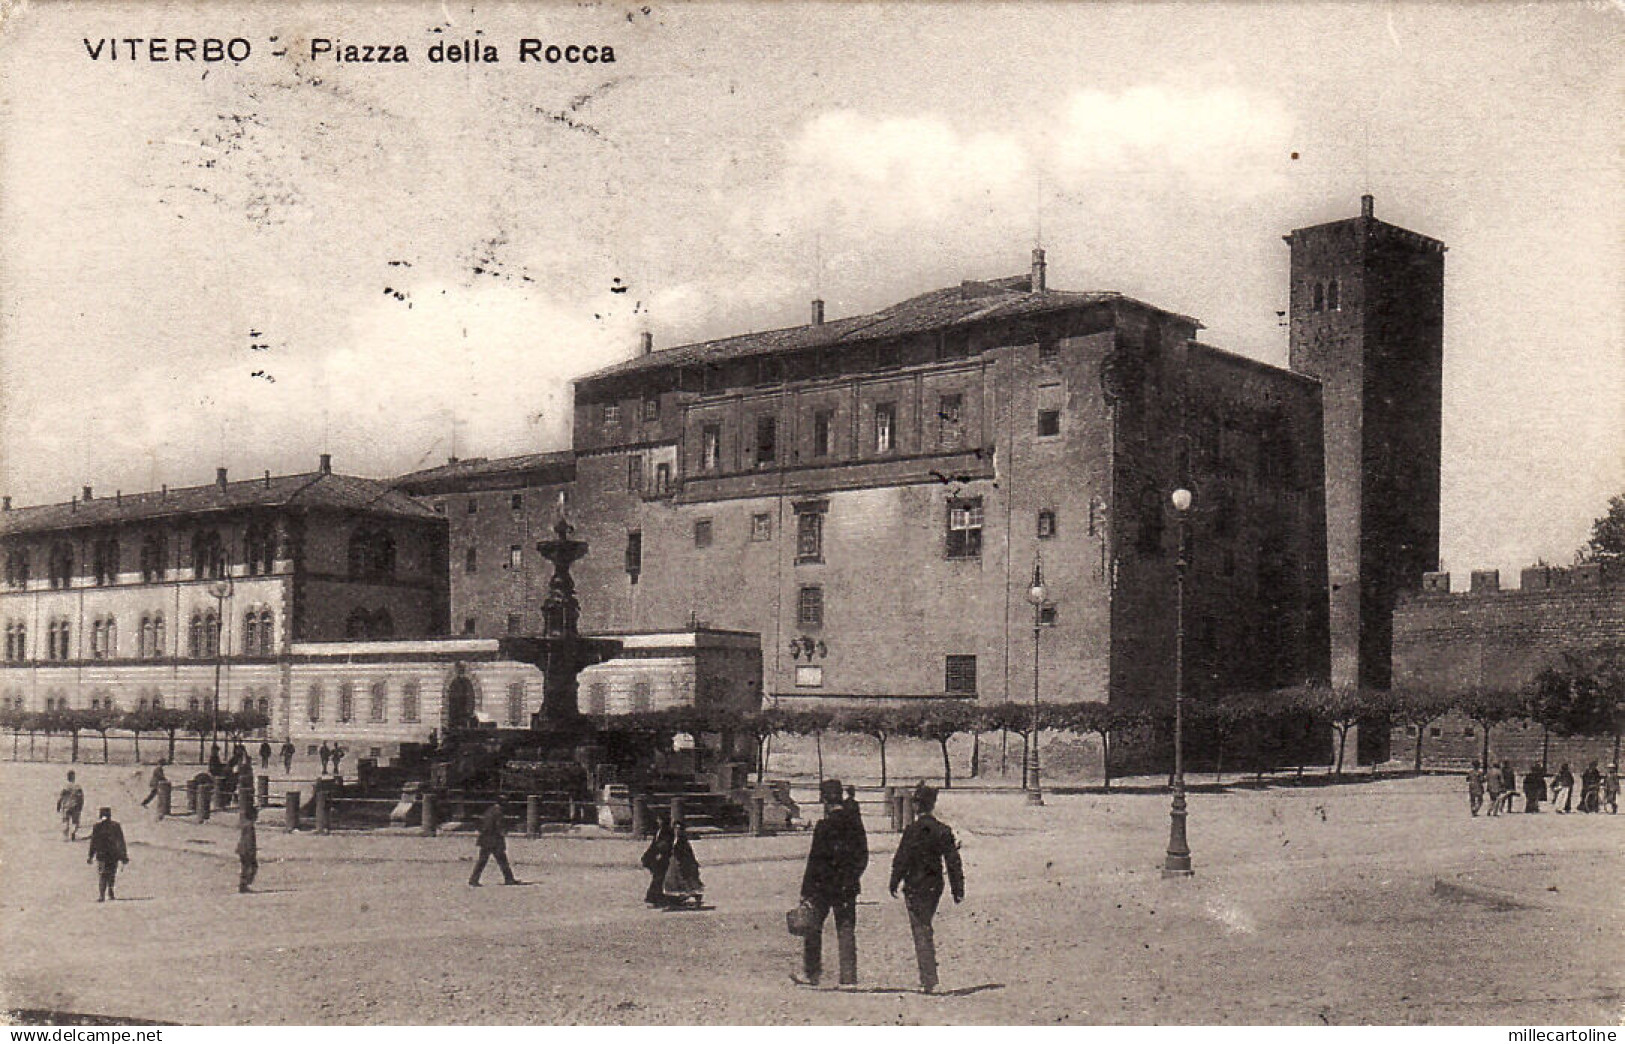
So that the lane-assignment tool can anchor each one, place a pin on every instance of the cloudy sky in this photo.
(246, 265)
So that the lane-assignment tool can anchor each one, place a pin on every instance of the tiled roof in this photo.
(313, 490)
(482, 467)
(953, 306)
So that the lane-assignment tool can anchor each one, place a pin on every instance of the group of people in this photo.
(333, 756)
(109, 851)
(1599, 790)
(833, 879)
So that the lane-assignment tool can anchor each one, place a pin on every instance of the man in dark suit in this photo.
(107, 851)
(927, 844)
(834, 876)
(492, 845)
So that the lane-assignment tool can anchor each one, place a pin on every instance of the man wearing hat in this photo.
(107, 851)
(834, 876)
(927, 844)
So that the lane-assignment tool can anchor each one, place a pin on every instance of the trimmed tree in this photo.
(1417, 709)
(1488, 708)
(940, 721)
(879, 723)
(814, 722)
(1341, 707)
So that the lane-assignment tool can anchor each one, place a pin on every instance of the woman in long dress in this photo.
(657, 860)
(682, 881)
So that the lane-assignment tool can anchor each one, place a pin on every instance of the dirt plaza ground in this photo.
(1370, 902)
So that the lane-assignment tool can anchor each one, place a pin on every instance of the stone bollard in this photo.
(191, 797)
(431, 819)
(757, 811)
(205, 802)
(165, 795)
(533, 815)
(676, 809)
(290, 811)
(640, 815)
(324, 812)
(262, 787)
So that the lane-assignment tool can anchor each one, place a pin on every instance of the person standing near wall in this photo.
(1492, 783)
(1475, 789)
(287, 756)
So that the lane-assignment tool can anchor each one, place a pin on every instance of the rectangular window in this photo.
(810, 607)
(1046, 615)
(822, 421)
(651, 409)
(473, 506)
(702, 533)
(377, 701)
(809, 677)
(761, 527)
(662, 479)
(710, 447)
(960, 676)
(514, 623)
(597, 698)
(634, 554)
(516, 703)
(471, 560)
(346, 702)
(517, 502)
(409, 701)
(516, 556)
(885, 427)
(950, 409)
(1048, 348)
(634, 473)
(642, 697)
(612, 414)
(965, 528)
(767, 435)
(809, 534)
(469, 624)
(1046, 524)
(1049, 423)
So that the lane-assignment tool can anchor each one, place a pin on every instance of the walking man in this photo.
(265, 754)
(287, 756)
(833, 878)
(157, 778)
(1610, 790)
(107, 851)
(926, 846)
(1509, 784)
(69, 803)
(492, 845)
(1492, 783)
(1590, 784)
(248, 848)
(1475, 789)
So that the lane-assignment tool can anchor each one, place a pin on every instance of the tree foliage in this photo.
(1607, 534)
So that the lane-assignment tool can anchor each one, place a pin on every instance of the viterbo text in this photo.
(168, 49)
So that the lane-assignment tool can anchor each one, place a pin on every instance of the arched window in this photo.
(251, 633)
(208, 555)
(410, 692)
(203, 638)
(246, 704)
(153, 554)
(259, 549)
(61, 565)
(516, 703)
(372, 553)
(378, 701)
(1320, 297)
(106, 562)
(158, 635)
(17, 568)
(313, 702)
(157, 701)
(1331, 296)
(263, 705)
(267, 645)
(346, 701)
(103, 638)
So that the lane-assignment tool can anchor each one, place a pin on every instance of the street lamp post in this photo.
(1036, 595)
(221, 590)
(1178, 862)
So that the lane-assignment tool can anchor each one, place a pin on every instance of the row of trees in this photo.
(1582, 695)
(169, 723)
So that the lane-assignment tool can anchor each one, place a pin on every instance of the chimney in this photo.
(818, 311)
(267, 478)
(1038, 270)
(88, 496)
(5, 503)
(164, 490)
(1368, 206)
(646, 343)
(220, 477)
(118, 497)
(327, 464)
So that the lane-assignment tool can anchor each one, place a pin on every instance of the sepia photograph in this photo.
(800, 514)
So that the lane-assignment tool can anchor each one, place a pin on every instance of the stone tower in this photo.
(1367, 320)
